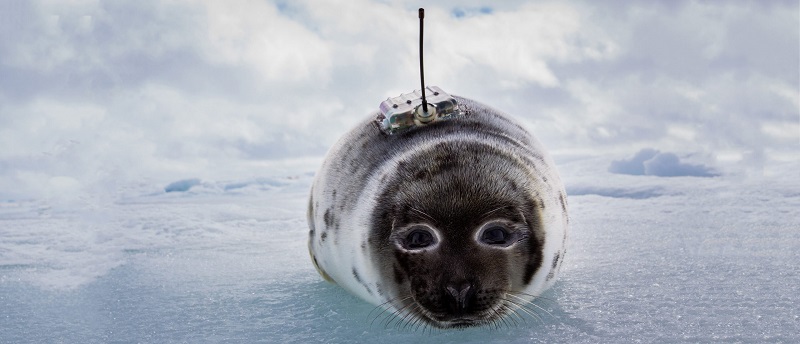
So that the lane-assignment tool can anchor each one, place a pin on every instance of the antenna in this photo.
(411, 110)
(421, 66)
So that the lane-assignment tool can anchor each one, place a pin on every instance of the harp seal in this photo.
(454, 224)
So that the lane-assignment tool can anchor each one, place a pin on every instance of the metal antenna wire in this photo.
(421, 68)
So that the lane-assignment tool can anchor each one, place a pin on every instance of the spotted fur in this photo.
(452, 176)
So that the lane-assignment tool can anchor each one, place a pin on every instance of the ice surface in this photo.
(651, 259)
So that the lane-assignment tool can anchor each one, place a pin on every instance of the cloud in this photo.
(178, 89)
(254, 33)
(517, 45)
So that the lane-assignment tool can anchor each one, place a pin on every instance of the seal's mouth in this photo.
(462, 323)
(449, 321)
(454, 320)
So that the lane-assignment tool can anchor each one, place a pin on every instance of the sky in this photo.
(102, 94)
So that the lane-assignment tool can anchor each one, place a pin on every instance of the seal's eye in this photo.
(496, 235)
(418, 239)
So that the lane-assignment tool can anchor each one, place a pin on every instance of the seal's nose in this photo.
(460, 295)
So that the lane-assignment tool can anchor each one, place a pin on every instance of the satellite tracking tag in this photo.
(406, 111)
(420, 107)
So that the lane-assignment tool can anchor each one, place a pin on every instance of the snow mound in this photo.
(651, 162)
(616, 192)
(182, 185)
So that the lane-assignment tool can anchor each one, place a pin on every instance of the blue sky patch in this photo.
(460, 12)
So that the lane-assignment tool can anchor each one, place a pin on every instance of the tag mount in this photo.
(417, 108)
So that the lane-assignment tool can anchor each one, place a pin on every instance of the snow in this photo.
(181, 185)
(651, 259)
(651, 162)
(155, 161)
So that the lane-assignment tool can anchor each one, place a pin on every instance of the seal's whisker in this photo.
(507, 306)
(533, 297)
(408, 312)
(381, 306)
(525, 310)
(499, 323)
(395, 315)
(531, 303)
(524, 305)
(400, 310)
(385, 309)
(424, 214)
(505, 313)
(492, 325)
(420, 322)
(490, 212)
(421, 326)
(429, 328)
(386, 319)
(406, 319)
(501, 317)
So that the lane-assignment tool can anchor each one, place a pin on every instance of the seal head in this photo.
(458, 232)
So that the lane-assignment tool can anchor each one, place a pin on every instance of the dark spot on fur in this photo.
(552, 272)
(555, 259)
(328, 218)
(323, 236)
(514, 186)
(357, 276)
(563, 202)
(539, 158)
(539, 202)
